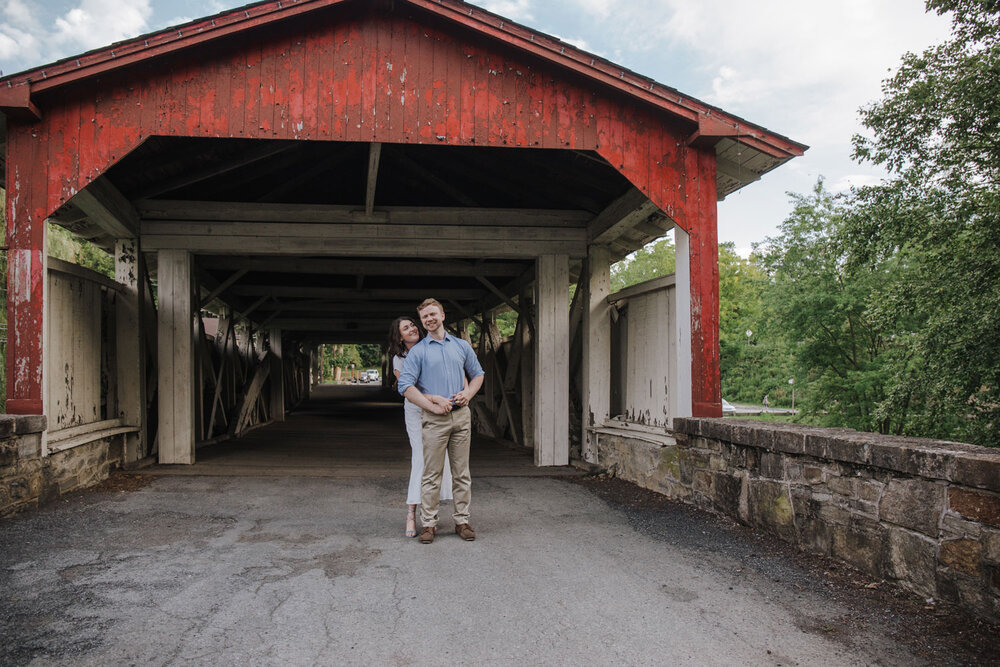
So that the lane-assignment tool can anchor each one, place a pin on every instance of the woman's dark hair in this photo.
(393, 344)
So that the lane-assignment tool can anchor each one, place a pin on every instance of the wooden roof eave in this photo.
(710, 122)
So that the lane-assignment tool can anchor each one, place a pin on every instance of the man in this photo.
(439, 365)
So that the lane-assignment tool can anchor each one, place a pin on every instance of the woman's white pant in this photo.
(411, 415)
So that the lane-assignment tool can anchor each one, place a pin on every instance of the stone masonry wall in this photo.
(922, 513)
(28, 479)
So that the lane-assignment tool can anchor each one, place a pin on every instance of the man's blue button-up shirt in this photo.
(439, 366)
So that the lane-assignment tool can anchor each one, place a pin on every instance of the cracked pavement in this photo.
(201, 570)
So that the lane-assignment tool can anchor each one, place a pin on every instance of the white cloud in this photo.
(519, 10)
(34, 32)
(19, 33)
(8, 45)
(19, 13)
(95, 23)
(825, 55)
(598, 8)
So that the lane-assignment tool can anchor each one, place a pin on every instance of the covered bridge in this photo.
(311, 169)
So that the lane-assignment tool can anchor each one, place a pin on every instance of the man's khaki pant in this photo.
(452, 433)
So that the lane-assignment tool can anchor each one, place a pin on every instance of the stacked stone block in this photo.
(27, 478)
(920, 512)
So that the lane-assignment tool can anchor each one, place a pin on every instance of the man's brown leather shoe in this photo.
(465, 531)
(426, 535)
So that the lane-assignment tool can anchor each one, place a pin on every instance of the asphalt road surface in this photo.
(204, 570)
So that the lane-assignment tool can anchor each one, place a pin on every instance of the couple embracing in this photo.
(438, 375)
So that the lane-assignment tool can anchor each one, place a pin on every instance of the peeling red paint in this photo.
(375, 78)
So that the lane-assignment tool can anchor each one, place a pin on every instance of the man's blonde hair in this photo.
(426, 303)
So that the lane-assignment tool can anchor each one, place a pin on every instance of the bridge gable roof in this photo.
(18, 98)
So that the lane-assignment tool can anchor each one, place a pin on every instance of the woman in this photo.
(403, 335)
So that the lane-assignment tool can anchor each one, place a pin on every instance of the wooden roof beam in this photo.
(621, 214)
(68, 214)
(317, 169)
(166, 210)
(336, 266)
(378, 245)
(341, 230)
(735, 171)
(432, 179)
(332, 325)
(262, 152)
(334, 306)
(350, 294)
(374, 153)
(108, 208)
(222, 287)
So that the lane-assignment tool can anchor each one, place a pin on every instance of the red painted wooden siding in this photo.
(377, 78)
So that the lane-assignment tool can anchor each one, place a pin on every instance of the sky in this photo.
(801, 68)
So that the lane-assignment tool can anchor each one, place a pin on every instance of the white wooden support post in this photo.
(552, 361)
(596, 390)
(276, 377)
(130, 343)
(175, 357)
(680, 334)
(527, 303)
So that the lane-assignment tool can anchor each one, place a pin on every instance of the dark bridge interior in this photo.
(346, 431)
(213, 186)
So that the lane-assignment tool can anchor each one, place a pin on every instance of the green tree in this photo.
(937, 220)
(370, 355)
(63, 245)
(651, 261)
(839, 354)
(753, 365)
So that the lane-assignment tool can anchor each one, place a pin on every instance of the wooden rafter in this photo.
(106, 207)
(420, 171)
(261, 152)
(735, 171)
(155, 211)
(223, 286)
(374, 153)
(351, 294)
(322, 166)
(621, 214)
(336, 266)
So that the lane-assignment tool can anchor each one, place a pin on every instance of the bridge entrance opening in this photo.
(272, 251)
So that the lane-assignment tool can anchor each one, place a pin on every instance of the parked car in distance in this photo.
(727, 408)
(370, 376)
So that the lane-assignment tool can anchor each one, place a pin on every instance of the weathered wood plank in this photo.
(351, 294)
(276, 398)
(176, 358)
(353, 266)
(155, 210)
(595, 395)
(130, 346)
(250, 398)
(383, 247)
(620, 215)
(82, 272)
(374, 154)
(551, 375)
(354, 231)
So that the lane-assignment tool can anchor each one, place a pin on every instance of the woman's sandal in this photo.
(411, 522)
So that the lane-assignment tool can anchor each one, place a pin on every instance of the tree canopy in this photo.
(937, 219)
